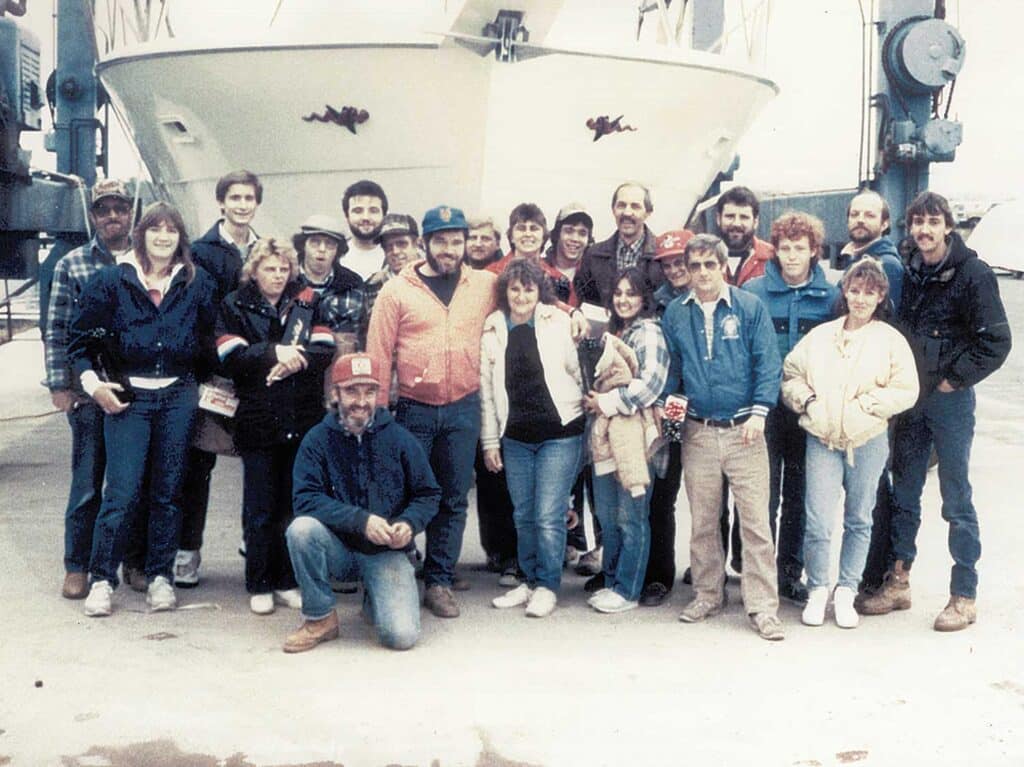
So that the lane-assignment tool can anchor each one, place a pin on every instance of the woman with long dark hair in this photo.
(623, 511)
(143, 329)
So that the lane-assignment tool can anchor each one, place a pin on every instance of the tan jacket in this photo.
(436, 348)
(858, 382)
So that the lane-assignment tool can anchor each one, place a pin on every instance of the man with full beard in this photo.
(365, 206)
(736, 214)
(867, 221)
(427, 323)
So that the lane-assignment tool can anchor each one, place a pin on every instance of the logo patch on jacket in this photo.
(730, 327)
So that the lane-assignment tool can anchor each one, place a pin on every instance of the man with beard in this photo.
(736, 214)
(632, 244)
(363, 490)
(429, 318)
(221, 251)
(365, 206)
(867, 221)
(955, 323)
(111, 217)
(483, 247)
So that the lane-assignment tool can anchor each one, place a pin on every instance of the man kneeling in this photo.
(363, 489)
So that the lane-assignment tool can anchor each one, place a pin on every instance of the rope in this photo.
(48, 413)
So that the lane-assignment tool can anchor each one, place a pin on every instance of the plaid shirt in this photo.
(70, 276)
(645, 338)
(628, 255)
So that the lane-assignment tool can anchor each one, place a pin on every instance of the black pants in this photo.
(195, 498)
(661, 564)
(583, 489)
(266, 514)
(494, 512)
(787, 446)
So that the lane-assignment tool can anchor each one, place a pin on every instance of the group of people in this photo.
(378, 371)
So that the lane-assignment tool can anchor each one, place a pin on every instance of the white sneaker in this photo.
(842, 603)
(160, 595)
(262, 604)
(612, 602)
(186, 568)
(289, 598)
(517, 597)
(814, 610)
(597, 596)
(542, 603)
(97, 604)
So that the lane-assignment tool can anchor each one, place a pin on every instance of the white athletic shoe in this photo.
(160, 595)
(97, 604)
(842, 604)
(814, 610)
(262, 604)
(517, 597)
(289, 598)
(542, 603)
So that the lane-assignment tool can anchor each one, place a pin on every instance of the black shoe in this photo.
(493, 564)
(793, 591)
(688, 577)
(593, 584)
(654, 594)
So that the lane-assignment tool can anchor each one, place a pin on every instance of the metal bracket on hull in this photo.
(507, 28)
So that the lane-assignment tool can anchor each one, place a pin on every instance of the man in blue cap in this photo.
(427, 323)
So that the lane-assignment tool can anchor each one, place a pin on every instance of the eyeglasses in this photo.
(696, 266)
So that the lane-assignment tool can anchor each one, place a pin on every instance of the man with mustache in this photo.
(427, 324)
(867, 222)
(955, 323)
(363, 490)
(632, 244)
(736, 215)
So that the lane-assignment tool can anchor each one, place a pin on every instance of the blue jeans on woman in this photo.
(626, 535)
(540, 479)
(827, 471)
(154, 431)
(318, 555)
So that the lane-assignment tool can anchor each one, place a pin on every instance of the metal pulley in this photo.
(923, 54)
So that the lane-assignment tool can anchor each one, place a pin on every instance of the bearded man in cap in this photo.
(429, 319)
(362, 490)
(111, 215)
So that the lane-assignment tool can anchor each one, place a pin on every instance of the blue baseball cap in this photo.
(442, 218)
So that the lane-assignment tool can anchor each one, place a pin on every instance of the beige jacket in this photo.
(858, 382)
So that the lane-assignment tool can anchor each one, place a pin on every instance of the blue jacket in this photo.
(885, 252)
(743, 373)
(341, 480)
(794, 310)
(221, 259)
(117, 327)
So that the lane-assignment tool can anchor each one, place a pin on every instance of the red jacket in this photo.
(754, 265)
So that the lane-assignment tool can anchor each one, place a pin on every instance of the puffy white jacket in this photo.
(858, 382)
(557, 356)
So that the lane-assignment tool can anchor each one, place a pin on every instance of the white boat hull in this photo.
(444, 125)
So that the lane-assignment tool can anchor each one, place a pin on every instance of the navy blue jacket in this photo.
(794, 310)
(743, 374)
(885, 252)
(117, 321)
(221, 259)
(954, 319)
(341, 480)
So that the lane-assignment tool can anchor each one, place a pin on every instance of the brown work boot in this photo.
(440, 601)
(312, 633)
(959, 613)
(894, 594)
(76, 586)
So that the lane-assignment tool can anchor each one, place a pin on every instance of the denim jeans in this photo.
(155, 431)
(494, 511)
(448, 434)
(786, 481)
(540, 478)
(827, 472)
(318, 555)
(708, 453)
(88, 463)
(625, 533)
(266, 513)
(947, 422)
